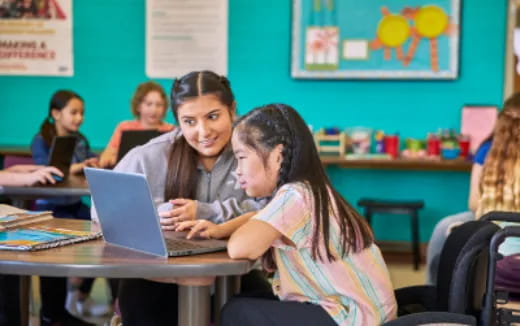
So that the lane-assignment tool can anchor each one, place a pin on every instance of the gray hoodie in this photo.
(219, 196)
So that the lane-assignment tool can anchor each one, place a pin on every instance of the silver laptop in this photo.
(129, 218)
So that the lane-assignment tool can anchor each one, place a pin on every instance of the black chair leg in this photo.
(415, 240)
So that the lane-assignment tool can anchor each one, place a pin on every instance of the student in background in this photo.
(191, 169)
(19, 175)
(148, 105)
(504, 159)
(328, 270)
(443, 227)
(65, 116)
(499, 187)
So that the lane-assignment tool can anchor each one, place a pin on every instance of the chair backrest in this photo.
(10, 160)
(496, 290)
(463, 268)
(491, 313)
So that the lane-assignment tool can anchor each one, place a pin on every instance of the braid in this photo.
(285, 166)
(286, 139)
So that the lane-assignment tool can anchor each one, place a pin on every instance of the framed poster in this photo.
(36, 38)
(416, 39)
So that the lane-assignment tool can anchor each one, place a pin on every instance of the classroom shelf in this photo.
(385, 164)
(399, 164)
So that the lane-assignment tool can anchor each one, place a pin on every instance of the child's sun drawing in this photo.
(392, 32)
(430, 22)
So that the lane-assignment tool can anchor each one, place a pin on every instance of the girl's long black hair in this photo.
(268, 126)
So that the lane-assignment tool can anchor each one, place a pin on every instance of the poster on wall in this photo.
(375, 39)
(182, 36)
(36, 37)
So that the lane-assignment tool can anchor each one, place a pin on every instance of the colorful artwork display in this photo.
(375, 39)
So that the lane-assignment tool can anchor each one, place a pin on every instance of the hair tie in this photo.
(224, 81)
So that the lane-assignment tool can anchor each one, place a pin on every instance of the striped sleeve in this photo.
(288, 212)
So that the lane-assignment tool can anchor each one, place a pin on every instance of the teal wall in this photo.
(109, 63)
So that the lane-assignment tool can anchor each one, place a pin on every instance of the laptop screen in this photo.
(133, 138)
(62, 152)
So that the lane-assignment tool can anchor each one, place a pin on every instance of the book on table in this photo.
(33, 236)
(12, 217)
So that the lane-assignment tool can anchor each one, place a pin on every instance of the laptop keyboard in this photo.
(178, 244)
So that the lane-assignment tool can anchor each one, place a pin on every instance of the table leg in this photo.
(25, 286)
(225, 288)
(194, 305)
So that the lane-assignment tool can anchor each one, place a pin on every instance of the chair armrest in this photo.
(433, 317)
(413, 299)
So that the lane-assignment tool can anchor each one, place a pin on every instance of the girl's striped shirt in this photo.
(354, 290)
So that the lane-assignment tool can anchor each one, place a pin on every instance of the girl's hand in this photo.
(76, 168)
(183, 210)
(201, 228)
(92, 162)
(108, 158)
(42, 175)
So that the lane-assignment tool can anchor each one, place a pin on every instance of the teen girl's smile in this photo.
(206, 123)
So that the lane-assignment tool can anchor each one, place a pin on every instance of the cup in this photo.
(464, 145)
(414, 145)
(392, 145)
(433, 146)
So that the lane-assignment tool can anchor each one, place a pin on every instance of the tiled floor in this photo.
(99, 293)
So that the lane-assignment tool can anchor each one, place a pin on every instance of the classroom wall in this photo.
(109, 63)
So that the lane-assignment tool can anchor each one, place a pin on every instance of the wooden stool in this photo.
(409, 208)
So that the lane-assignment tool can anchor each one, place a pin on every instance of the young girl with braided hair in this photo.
(327, 268)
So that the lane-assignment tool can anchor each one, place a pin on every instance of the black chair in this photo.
(491, 313)
(459, 294)
(410, 208)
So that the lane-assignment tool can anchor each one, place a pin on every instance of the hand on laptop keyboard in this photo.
(201, 228)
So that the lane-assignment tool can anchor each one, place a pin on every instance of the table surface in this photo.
(95, 258)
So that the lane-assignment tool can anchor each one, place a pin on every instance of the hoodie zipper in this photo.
(209, 187)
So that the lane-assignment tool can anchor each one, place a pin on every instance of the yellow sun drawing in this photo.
(392, 32)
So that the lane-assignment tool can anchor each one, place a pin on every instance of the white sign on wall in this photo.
(182, 36)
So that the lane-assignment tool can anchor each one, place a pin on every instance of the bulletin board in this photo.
(372, 39)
